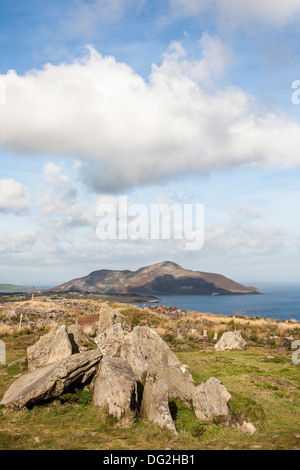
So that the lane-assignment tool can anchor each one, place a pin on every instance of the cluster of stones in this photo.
(125, 362)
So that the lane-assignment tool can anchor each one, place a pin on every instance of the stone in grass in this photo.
(210, 401)
(231, 340)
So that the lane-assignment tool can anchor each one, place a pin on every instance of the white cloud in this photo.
(85, 16)
(15, 242)
(241, 14)
(14, 197)
(245, 240)
(60, 204)
(130, 131)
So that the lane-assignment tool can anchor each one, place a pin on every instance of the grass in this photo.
(263, 382)
(266, 392)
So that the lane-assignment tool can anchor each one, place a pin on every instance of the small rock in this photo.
(288, 340)
(247, 428)
(78, 434)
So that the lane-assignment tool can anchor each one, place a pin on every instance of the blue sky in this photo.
(176, 101)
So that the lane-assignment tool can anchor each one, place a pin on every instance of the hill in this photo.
(158, 279)
(12, 287)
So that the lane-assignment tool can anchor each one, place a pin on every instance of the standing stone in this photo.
(148, 353)
(155, 404)
(50, 348)
(2, 352)
(51, 381)
(210, 400)
(109, 317)
(115, 387)
(231, 340)
(110, 341)
(215, 336)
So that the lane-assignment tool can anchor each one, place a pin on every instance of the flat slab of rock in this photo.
(231, 340)
(50, 348)
(115, 387)
(51, 381)
(155, 404)
(210, 400)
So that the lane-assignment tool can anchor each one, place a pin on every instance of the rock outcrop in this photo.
(109, 317)
(50, 348)
(210, 400)
(124, 363)
(155, 404)
(231, 340)
(111, 340)
(115, 387)
(51, 381)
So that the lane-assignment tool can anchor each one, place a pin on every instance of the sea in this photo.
(278, 301)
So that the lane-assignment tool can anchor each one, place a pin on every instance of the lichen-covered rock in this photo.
(115, 387)
(210, 401)
(50, 348)
(110, 341)
(148, 353)
(155, 404)
(51, 381)
(231, 340)
(109, 317)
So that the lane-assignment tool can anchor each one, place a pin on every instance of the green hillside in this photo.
(12, 287)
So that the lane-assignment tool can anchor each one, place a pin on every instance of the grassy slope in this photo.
(267, 388)
(12, 287)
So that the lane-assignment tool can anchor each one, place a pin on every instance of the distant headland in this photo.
(157, 279)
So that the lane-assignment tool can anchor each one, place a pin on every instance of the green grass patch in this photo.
(185, 419)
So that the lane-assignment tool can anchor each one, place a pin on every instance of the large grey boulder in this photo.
(148, 353)
(155, 404)
(50, 348)
(51, 381)
(109, 317)
(210, 401)
(231, 340)
(115, 387)
(110, 341)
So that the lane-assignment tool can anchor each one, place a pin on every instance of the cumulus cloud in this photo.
(241, 15)
(14, 197)
(130, 131)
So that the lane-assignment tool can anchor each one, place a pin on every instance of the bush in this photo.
(80, 396)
